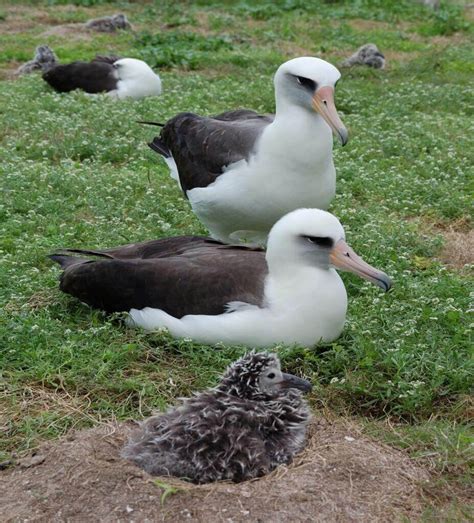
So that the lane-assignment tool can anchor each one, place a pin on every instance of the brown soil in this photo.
(458, 249)
(76, 31)
(458, 240)
(341, 476)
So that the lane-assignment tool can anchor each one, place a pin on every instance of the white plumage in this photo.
(136, 79)
(304, 301)
(242, 171)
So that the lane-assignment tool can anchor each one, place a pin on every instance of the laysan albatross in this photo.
(210, 292)
(118, 77)
(242, 171)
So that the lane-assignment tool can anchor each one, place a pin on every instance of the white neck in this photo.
(304, 134)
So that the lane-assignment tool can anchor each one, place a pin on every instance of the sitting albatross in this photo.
(253, 421)
(210, 292)
(118, 77)
(242, 171)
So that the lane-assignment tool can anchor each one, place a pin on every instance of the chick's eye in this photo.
(271, 375)
(321, 241)
(307, 82)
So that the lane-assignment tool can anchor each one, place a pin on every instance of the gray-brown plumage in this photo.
(253, 421)
(109, 24)
(182, 275)
(43, 60)
(369, 55)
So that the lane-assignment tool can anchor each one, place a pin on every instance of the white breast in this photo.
(291, 168)
(303, 310)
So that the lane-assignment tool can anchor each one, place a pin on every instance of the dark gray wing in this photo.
(185, 275)
(202, 147)
(108, 59)
(92, 77)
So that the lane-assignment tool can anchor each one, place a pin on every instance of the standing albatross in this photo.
(242, 171)
(210, 292)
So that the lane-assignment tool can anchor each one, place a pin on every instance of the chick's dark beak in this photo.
(293, 382)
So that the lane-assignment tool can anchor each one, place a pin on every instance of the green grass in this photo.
(77, 173)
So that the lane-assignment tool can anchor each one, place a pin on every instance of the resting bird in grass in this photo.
(242, 171)
(118, 77)
(369, 55)
(109, 24)
(210, 292)
(43, 60)
(253, 421)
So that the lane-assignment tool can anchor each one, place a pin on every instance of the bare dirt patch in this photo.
(458, 248)
(458, 240)
(76, 31)
(341, 476)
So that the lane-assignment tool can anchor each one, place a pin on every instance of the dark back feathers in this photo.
(202, 147)
(184, 275)
(93, 77)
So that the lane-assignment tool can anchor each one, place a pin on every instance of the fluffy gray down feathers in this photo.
(43, 60)
(368, 54)
(233, 431)
(109, 24)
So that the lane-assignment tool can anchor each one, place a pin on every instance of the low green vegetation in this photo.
(76, 172)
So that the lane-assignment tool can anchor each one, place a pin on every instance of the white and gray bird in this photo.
(109, 24)
(242, 171)
(43, 60)
(118, 77)
(253, 421)
(201, 289)
(368, 55)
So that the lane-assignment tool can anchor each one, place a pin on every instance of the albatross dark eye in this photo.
(307, 82)
(271, 375)
(321, 241)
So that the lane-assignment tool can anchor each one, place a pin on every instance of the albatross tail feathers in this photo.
(66, 261)
(160, 147)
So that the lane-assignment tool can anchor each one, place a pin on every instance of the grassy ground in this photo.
(77, 173)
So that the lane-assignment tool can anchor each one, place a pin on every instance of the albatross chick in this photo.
(109, 24)
(369, 55)
(43, 60)
(253, 421)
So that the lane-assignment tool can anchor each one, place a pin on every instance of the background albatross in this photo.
(118, 77)
(210, 292)
(243, 171)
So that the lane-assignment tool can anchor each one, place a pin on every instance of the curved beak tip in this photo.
(343, 135)
(294, 382)
(385, 283)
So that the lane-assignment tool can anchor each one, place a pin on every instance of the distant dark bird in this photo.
(120, 78)
(369, 55)
(242, 171)
(109, 24)
(43, 60)
(201, 289)
(253, 421)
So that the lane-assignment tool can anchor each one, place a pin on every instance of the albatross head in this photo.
(257, 376)
(132, 69)
(309, 83)
(312, 237)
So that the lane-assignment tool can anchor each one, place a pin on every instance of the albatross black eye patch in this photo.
(307, 82)
(320, 241)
